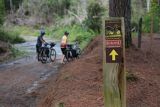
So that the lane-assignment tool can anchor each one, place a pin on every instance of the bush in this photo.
(95, 12)
(147, 24)
(12, 37)
(155, 13)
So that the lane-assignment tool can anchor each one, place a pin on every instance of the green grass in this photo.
(77, 32)
(17, 53)
(10, 36)
(134, 34)
(25, 30)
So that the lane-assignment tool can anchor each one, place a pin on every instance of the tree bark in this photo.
(122, 8)
(139, 33)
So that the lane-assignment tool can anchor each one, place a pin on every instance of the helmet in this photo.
(66, 33)
(43, 32)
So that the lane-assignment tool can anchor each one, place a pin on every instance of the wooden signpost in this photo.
(113, 62)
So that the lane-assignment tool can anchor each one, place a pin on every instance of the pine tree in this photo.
(122, 8)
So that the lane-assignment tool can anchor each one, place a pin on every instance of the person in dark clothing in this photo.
(40, 41)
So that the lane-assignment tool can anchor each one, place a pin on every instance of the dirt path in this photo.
(21, 79)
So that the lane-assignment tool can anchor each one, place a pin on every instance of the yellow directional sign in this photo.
(113, 54)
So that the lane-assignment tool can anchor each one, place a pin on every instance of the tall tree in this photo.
(1, 11)
(11, 5)
(122, 8)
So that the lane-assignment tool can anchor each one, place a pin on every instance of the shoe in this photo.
(63, 63)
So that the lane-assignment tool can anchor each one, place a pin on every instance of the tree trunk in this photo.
(139, 33)
(11, 6)
(158, 2)
(122, 8)
(148, 5)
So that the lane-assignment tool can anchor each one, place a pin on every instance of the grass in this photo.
(10, 36)
(25, 30)
(77, 32)
(17, 53)
(134, 34)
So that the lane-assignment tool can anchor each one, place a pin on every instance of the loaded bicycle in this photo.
(47, 53)
(73, 51)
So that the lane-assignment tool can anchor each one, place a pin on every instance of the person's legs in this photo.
(62, 60)
(38, 51)
(63, 54)
(37, 48)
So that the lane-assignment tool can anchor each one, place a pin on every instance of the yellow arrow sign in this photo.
(113, 54)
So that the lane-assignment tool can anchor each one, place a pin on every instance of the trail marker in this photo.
(113, 54)
(113, 62)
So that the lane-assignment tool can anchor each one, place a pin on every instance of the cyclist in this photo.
(40, 42)
(63, 45)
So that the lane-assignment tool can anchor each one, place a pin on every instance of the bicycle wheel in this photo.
(43, 56)
(52, 55)
(69, 56)
(78, 52)
(39, 55)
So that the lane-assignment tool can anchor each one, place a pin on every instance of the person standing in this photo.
(40, 41)
(64, 45)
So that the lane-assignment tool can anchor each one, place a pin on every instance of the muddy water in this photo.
(21, 78)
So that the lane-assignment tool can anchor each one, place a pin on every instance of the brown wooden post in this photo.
(113, 62)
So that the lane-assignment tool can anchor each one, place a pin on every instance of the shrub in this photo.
(12, 37)
(147, 24)
(95, 12)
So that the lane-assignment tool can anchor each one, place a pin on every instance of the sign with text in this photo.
(113, 41)
(113, 62)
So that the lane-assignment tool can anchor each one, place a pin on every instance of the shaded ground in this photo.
(145, 65)
(79, 84)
